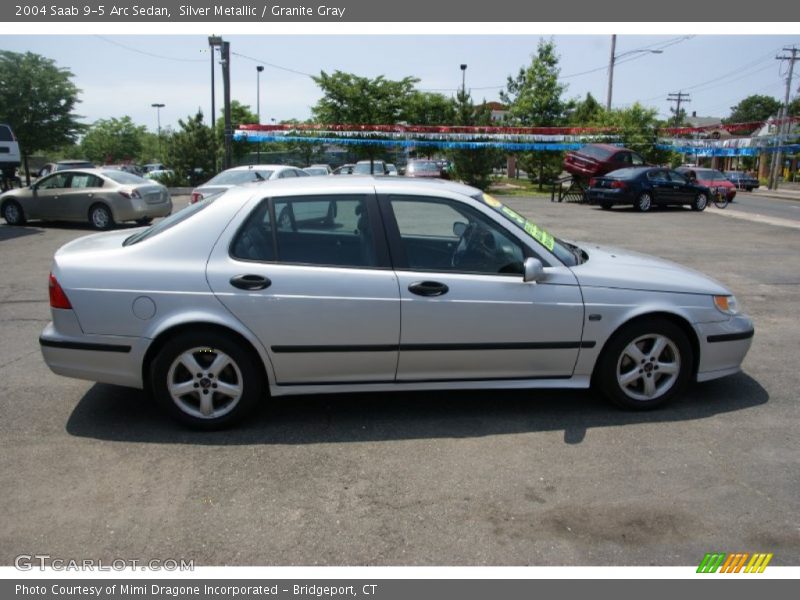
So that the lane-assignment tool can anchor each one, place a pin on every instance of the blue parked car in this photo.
(742, 180)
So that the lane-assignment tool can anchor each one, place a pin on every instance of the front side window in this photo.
(57, 181)
(636, 160)
(677, 178)
(441, 235)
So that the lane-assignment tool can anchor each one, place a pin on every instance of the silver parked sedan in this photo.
(100, 196)
(229, 178)
(375, 284)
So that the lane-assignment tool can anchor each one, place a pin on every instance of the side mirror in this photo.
(459, 228)
(534, 270)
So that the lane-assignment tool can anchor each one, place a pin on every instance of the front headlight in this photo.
(727, 304)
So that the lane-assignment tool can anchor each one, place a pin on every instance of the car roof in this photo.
(358, 184)
(254, 167)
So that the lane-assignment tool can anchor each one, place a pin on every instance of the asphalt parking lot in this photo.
(477, 478)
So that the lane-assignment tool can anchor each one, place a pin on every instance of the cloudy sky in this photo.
(124, 74)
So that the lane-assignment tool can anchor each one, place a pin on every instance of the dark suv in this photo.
(594, 160)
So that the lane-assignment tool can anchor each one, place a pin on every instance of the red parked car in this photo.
(710, 178)
(594, 160)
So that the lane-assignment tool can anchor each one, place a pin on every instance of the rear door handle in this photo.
(250, 282)
(428, 288)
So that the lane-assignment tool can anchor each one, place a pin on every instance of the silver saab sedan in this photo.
(371, 284)
(100, 196)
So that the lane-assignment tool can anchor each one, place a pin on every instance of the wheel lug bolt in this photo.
(197, 385)
(211, 376)
(649, 375)
(206, 391)
(199, 375)
(213, 385)
(643, 361)
(641, 370)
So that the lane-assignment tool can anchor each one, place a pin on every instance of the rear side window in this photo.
(85, 180)
(5, 134)
(309, 230)
(169, 222)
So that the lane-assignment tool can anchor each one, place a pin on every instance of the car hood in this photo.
(618, 268)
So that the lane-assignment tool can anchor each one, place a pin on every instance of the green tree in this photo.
(37, 99)
(754, 108)
(188, 149)
(112, 140)
(473, 166)
(350, 99)
(427, 108)
(586, 111)
(535, 99)
(794, 107)
(636, 128)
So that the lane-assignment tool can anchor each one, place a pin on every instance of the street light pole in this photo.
(259, 69)
(158, 106)
(463, 80)
(612, 61)
(213, 42)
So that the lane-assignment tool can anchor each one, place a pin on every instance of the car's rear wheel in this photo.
(13, 213)
(700, 202)
(644, 202)
(144, 221)
(206, 380)
(645, 364)
(100, 217)
(605, 205)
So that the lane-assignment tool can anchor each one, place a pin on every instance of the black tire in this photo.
(720, 200)
(100, 217)
(605, 205)
(700, 202)
(616, 360)
(13, 213)
(243, 373)
(144, 221)
(644, 202)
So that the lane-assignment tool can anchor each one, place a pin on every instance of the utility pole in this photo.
(611, 70)
(783, 121)
(679, 98)
(259, 69)
(226, 86)
(213, 42)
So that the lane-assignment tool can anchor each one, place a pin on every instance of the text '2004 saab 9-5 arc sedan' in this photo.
(375, 284)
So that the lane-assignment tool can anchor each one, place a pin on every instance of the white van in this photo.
(9, 152)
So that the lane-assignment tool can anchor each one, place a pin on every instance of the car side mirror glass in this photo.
(534, 270)
(459, 228)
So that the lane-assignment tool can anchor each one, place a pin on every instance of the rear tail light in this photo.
(617, 185)
(58, 299)
(196, 197)
(592, 182)
(129, 195)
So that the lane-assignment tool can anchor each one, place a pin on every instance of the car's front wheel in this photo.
(100, 217)
(605, 205)
(13, 213)
(700, 202)
(645, 364)
(206, 379)
(644, 202)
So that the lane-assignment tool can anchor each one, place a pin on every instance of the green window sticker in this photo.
(540, 235)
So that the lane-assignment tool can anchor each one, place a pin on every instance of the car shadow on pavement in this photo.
(10, 233)
(114, 413)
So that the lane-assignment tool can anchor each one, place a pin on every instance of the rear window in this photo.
(628, 173)
(239, 177)
(169, 222)
(423, 167)
(597, 152)
(124, 177)
(5, 134)
(363, 168)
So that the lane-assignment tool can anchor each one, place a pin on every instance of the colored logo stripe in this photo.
(734, 563)
(711, 562)
(758, 563)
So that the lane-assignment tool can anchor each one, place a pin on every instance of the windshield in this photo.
(239, 177)
(567, 253)
(363, 168)
(597, 152)
(124, 178)
(170, 221)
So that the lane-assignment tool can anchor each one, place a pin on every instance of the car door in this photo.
(80, 195)
(48, 195)
(317, 290)
(465, 311)
(661, 186)
(683, 190)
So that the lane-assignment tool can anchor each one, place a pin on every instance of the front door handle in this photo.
(250, 282)
(428, 288)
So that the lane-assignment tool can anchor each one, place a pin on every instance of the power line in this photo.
(151, 54)
(274, 66)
